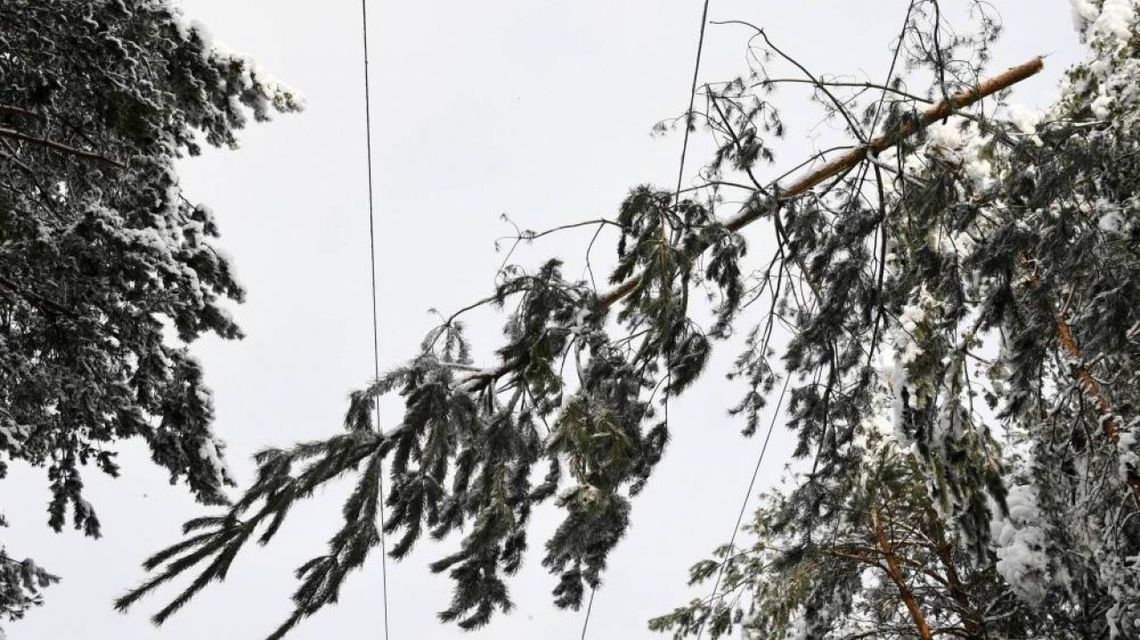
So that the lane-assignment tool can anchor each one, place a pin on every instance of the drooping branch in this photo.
(459, 421)
(839, 165)
(856, 155)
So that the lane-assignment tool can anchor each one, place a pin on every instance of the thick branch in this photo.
(836, 167)
(1085, 379)
(58, 146)
(35, 298)
(1108, 422)
(930, 116)
(895, 573)
(853, 157)
(945, 551)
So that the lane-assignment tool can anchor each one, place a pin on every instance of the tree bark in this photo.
(1109, 425)
(895, 573)
(945, 550)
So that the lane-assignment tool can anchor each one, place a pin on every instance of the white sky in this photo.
(541, 109)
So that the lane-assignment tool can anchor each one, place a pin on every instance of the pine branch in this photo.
(817, 176)
(852, 158)
(456, 426)
(944, 548)
(1109, 425)
(1108, 422)
(896, 576)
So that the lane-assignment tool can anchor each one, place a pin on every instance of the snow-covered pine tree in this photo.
(1010, 275)
(966, 253)
(101, 253)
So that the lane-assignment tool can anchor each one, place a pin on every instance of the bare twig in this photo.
(17, 111)
(844, 84)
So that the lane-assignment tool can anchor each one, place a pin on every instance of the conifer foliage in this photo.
(101, 253)
(983, 483)
(21, 584)
(955, 313)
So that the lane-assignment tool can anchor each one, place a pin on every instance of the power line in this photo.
(692, 97)
(375, 308)
(744, 503)
(676, 200)
(589, 608)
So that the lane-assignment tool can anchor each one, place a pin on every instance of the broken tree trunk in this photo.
(853, 157)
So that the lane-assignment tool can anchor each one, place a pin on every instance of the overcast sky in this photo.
(541, 109)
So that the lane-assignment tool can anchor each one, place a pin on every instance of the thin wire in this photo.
(375, 307)
(676, 200)
(744, 503)
(891, 71)
(887, 84)
(589, 608)
(692, 97)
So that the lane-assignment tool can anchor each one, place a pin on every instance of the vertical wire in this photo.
(744, 506)
(692, 97)
(676, 201)
(772, 424)
(589, 608)
(375, 307)
(688, 129)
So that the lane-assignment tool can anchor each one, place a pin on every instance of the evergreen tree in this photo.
(102, 256)
(1018, 240)
(958, 300)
